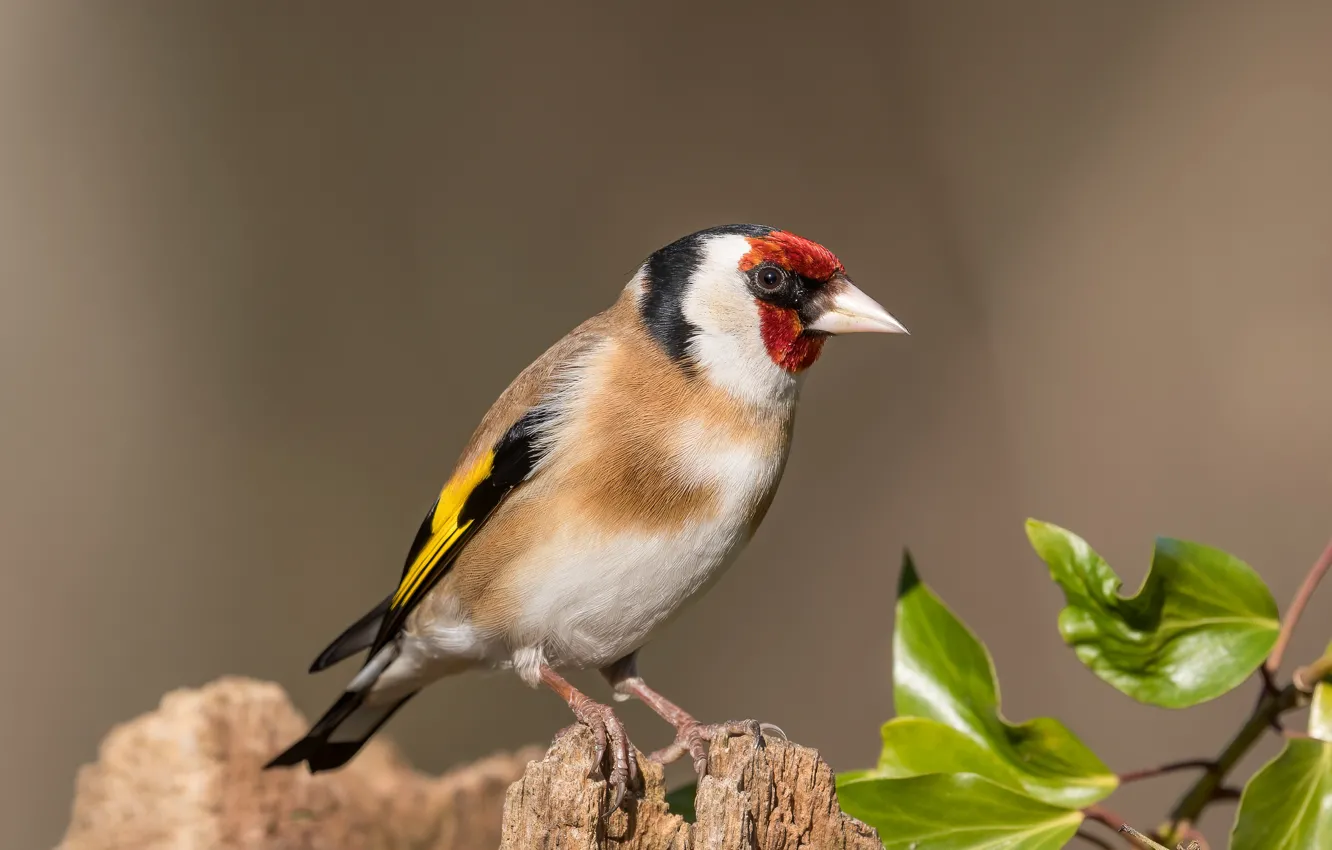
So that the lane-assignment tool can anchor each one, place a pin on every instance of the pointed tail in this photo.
(356, 638)
(339, 734)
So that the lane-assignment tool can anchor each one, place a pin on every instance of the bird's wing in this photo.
(463, 506)
(502, 454)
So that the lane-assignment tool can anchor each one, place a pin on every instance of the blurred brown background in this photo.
(263, 266)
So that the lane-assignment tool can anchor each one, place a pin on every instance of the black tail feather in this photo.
(356, 638)
(319, 751)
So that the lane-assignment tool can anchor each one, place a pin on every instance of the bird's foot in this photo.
(613, 747)
(693, 738)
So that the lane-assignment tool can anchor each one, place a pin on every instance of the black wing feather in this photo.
(516, 455)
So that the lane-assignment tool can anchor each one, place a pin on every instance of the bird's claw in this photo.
(611, 739)
(693, 738)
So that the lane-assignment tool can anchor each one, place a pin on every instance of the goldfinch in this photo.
(614, 480)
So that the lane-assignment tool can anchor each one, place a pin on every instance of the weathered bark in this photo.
(779, 797)
(188, 775)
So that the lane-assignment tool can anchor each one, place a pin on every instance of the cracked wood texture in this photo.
(779, 797)
(188, 775)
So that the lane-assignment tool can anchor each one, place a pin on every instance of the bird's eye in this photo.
(770, 279)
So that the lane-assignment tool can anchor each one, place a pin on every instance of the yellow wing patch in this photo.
(445, 528)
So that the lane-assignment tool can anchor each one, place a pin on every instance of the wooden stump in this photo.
(188, 775)
(778, 797)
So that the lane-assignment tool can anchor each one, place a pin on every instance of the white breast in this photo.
(600, 595)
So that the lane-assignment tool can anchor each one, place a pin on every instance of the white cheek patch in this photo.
(729, 344)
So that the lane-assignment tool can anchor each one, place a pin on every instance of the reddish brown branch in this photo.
(1172, 767)
(1107, 818)
(1102, 815)
(1297, 606)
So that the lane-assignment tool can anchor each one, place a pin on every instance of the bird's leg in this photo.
(691, 736)
(607, 728)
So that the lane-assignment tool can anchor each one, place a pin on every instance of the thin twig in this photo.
(1152, 772)
(1195, 839)
(1104, 816)
(1297, 606)
(1140, 838)
(1100, 814)
(1307, 677)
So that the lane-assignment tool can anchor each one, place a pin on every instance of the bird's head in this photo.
(751, 305)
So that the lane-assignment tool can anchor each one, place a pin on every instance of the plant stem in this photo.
(1139, 838)
(1270, 685)
(1297, 606)
(1191, 805)
(1102, 815)
(1307, 677)
(1152, 772)
(1106, 817)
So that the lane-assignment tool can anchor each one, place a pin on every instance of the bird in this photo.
(612, 482)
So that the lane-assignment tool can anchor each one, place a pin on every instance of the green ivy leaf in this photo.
(1288, 804)
(854, 776)
(941, 672)
(1200, 625)
(956, 812)
(914, 746)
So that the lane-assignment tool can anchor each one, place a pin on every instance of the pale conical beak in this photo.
(851, 311)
